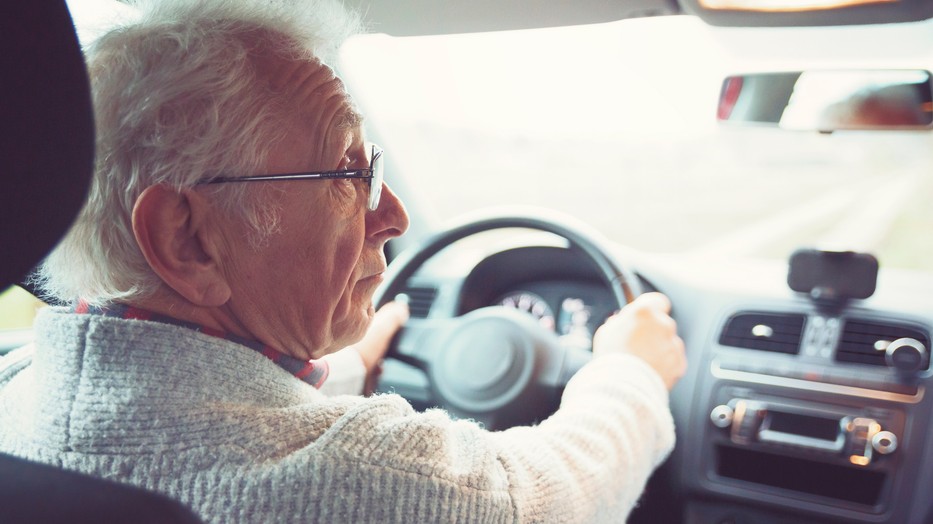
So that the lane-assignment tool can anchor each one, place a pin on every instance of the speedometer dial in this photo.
(532, 304)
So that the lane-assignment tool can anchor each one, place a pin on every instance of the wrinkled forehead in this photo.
(310, 89)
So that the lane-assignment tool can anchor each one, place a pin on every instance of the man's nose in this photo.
(390, 219)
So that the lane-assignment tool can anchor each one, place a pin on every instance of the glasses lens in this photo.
(375, 183)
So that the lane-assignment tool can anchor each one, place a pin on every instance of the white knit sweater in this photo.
(225, 431)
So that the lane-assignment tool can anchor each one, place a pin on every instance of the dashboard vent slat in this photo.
(420, 300)
(859, 337)
(777, 332)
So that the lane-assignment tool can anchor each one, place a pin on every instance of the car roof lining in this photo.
(393, 17)
(878, 13)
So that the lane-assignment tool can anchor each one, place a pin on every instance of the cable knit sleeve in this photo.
(587, 463)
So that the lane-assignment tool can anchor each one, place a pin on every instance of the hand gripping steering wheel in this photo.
(497, 365)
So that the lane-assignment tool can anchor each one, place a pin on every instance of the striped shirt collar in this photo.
(313, 372)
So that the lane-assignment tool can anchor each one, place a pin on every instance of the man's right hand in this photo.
(643, 328)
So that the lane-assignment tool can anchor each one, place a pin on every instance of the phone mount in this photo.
(832, 278)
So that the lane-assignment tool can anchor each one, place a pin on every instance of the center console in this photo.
(809, 411)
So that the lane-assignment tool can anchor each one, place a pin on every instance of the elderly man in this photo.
(230, 246)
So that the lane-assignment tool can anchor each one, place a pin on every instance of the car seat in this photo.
(46, 158)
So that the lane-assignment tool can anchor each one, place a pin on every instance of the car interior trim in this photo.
(721, 373)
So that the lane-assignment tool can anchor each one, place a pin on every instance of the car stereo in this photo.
(835, 435)
(828, 453)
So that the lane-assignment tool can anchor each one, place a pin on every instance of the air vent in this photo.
(780, 333)
(864, 342)
(420, 300)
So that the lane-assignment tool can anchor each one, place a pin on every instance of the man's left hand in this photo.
(372, 348)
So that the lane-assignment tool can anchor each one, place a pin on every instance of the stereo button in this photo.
(721, 416)
(861, 433)
(884, 442)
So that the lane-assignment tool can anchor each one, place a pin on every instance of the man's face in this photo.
(308, 290)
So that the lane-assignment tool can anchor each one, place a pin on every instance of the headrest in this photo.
(46, 132)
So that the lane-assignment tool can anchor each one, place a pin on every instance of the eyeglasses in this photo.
(373, 174)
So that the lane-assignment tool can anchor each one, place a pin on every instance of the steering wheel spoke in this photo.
(417, 343)
(570, 359)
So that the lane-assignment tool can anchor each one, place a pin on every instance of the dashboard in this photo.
(790, 410)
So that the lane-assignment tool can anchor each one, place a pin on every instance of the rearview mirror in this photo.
(829, 101)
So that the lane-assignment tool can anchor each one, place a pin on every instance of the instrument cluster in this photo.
(572, 311)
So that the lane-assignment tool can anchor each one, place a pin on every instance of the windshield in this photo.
(616, 125)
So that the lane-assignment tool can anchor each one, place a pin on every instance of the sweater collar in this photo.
(312, 371)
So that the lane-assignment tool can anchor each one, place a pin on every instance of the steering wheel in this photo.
(497, 365)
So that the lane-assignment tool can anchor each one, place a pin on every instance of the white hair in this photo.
(177, 99)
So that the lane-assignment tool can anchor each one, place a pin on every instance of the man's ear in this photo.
(171, 229)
